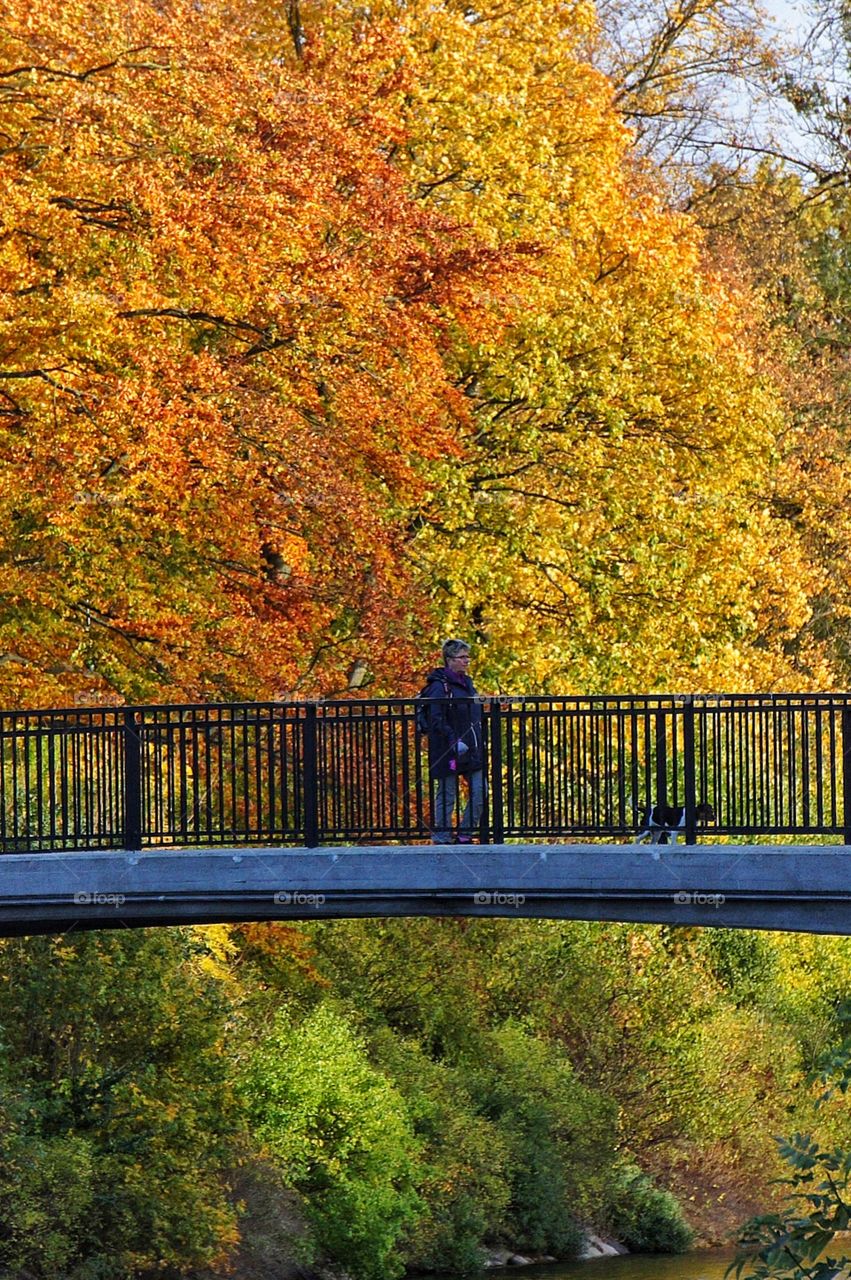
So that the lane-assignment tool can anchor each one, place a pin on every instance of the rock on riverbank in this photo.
(593, 1246)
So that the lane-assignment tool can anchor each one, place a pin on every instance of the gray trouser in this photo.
(445, 802)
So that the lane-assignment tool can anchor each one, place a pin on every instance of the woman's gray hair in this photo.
(454, 649)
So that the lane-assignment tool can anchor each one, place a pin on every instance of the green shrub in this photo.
(45, 1193)
(462, 1163)
(559, 1135)
(340, 1134)
(116, 1120)
(644, 1217)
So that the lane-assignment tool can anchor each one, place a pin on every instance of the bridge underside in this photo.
(799, 888)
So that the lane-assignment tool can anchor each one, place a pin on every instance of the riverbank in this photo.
(593, 1248)
(274, 1233)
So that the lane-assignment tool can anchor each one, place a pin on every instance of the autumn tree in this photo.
(695, 81)
(327, 330)
(785, 232)
(607, 527)
(223, 323)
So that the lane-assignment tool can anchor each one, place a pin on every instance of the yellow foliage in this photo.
(608, 527)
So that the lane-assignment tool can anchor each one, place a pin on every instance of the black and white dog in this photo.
(664, 824)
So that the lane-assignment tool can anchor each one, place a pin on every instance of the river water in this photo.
(709, 1264)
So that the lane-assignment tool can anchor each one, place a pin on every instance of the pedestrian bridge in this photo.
(116, 817)
(771, 887)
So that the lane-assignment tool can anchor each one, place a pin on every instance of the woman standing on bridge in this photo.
(455, 743)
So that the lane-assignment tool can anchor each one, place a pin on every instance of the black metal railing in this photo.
(307, 773)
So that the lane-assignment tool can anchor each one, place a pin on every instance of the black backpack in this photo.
(422, 710)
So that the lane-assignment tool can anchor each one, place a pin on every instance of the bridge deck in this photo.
(788, 887)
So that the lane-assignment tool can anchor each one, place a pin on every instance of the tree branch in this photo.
(28, 69)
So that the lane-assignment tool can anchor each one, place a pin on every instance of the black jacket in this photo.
(456, 715)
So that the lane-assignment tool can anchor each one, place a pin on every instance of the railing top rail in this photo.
(661, 701)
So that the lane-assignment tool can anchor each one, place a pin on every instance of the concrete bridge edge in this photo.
(785, 887)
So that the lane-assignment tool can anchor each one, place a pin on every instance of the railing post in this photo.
(689, 778)
(846, 774)
(661, 761)
(309, 766)
(132, 782)
(497, 816)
